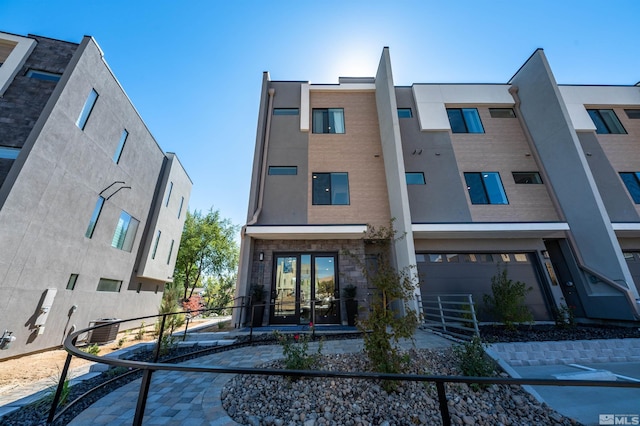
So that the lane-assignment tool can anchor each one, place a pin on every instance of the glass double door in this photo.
(305, 289)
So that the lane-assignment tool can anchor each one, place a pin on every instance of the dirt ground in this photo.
(46, 366)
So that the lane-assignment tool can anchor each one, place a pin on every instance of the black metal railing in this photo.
(149, 368)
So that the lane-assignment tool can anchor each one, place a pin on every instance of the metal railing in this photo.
(148, 368)
(450, 313)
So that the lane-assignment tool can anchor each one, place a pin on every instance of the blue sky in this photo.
(193, 69)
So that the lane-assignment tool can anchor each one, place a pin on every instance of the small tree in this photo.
(507, 302)
(218, 293)
(384, 327)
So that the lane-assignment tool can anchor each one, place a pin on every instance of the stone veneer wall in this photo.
(348, 271)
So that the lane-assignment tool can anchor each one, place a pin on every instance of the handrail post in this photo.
(444, 325)
(142, 397)
(156, 355)
(473, 315)
(56, 397)
(444, 408)
(184, 336)
(253, 309)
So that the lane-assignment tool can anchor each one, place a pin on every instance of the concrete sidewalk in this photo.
(198, 402)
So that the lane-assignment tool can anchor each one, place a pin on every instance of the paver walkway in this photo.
(193, 399)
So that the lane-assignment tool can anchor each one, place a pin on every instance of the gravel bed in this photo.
(277, 400)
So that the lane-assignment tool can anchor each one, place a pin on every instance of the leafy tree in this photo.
(507, 300)
(218, 292)
(207, 248)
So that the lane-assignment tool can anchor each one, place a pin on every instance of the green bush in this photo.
(473, 361)
(507, 302)
(91, 349)
(296, 351)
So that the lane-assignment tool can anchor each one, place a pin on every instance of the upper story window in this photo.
(123, 140)
(94, 217)
(180, 208)
(414, 178)
(632, 113)
(632, 182)
(9, 153)
(606, 121)
(283, 170)
(404, 113)
(465, 120)
(166, 204)
(155, 246)
(125, 232)
(43, 75)
(170, 252)
(71, 283)
(286, 111)
(106, 284)
(485, 188)
(328, 120)
(502, 113)
(330, 189)
(86, 109)
(526, 177)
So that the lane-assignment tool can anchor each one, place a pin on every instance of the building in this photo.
(91, 208)
(540, 178)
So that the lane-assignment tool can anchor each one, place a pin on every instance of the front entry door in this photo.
(305, 289)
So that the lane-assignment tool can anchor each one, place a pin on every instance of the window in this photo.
(502, 113)
(94, 217)
(633, 113)
(43, 75)
(170, 251)
(328, 120)
(286, 111)
(86, 109)
(485, 188)
(9, 153)
(283, 170)
(166, 204)
(465, 120)
(414, 178)
(125, 232)
(606, 121)
(404, 113)
(106, 284)
(632, 182)
(330, 189)
(526, 177)
(520, 257)
(71, 284)
(155, 246)
(123, 140)
(180, 208)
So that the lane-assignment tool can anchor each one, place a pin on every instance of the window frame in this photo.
(71, 282)
(632, 113)
(634, 181)
(316, 200)
(498, 113)
(43, 75)
(327, 120)
(9, 152)
(604, 125)
(93, 222)
(402, 113)
(105, 285)
(180, 208)
(166, 203)
(488, 195)
(123, 140)
(415, 174)
(463, 119)
(537, 179)
(87, 109)
(283, 170)
(286, 111)
(170, 252)
(155, 245)
(125, 239)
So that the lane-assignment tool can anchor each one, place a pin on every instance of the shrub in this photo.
(296, 351)
(140, 333)
(473, 361)
(507, 302)
(564, 316)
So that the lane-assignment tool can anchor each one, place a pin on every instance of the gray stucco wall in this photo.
(285, 197)
(45, 216)
(442, 199)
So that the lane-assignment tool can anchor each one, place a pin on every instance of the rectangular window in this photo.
(123, 140)
(526, 177)
(155, 245)
(125, 232)
(633, 113)
(170, 251)
(106, 284)
(166, 204)
(9, 153)
(632, 182)
(71, 284)
(328, 120)
(94, 218)
(465, 120)
(86, 109)
(283, 170)
(180, 208)
(404, 113)
(330, 189)
(414, 178)
(286, 111)
(485, 188)
(43, 75)
(606, 121)
(502, 113)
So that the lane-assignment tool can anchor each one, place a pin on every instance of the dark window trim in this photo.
(632, 113)
(43, 75)
(464, 120)
(123, 141)
(416, 174)
(105, 284)
(631, 181)
(286, 111)
(87, 109)
(604, 128)
(316, 202)
(497, 113)
(402, 113)
(486, 194)
(71, 283)
(283, 170)
(533, 182)
(326, 128)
